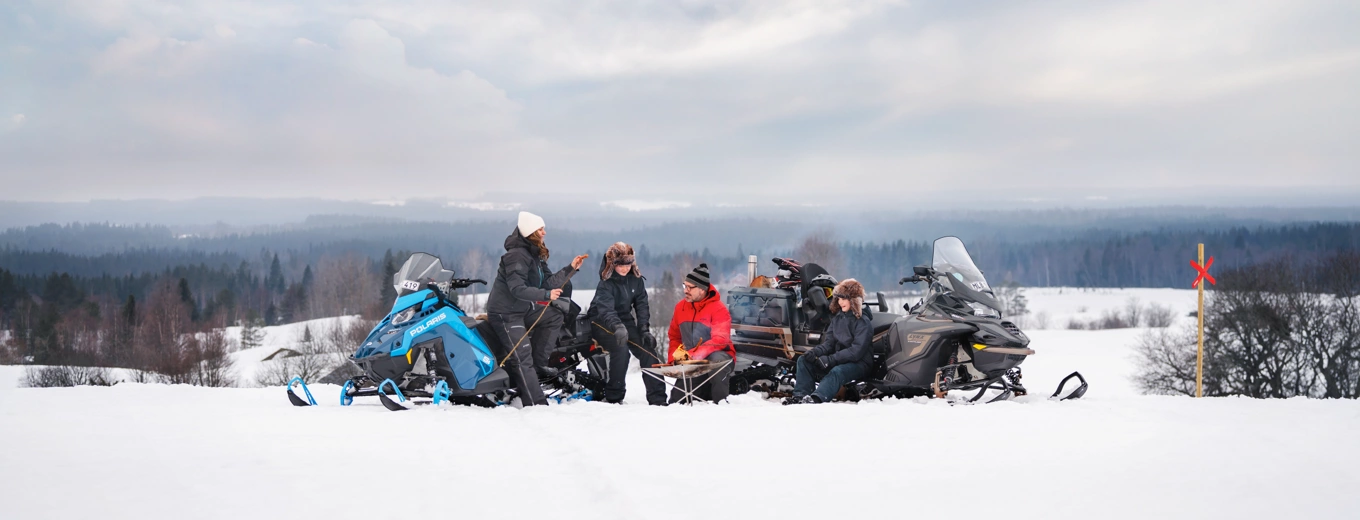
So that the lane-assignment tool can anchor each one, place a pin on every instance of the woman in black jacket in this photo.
(845, 353)
(620, 322)
(520, 296)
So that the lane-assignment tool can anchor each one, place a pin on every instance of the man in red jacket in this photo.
(700, 329)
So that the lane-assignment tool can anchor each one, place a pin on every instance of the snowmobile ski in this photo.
(387, 402)
(441, 393)
(1076, 393)
(293, 398)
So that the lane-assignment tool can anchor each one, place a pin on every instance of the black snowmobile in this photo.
(954, 338)
(772, 326)
(427, 350)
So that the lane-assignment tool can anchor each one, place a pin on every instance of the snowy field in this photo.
(154, 451)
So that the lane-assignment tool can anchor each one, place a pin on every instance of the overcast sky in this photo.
(687, 101)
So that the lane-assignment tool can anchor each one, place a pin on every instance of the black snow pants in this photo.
(510, 328)
(614, 388)
(546, 334)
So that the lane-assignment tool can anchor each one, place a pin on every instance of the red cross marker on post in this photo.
(1202, 268)
(1203, 272)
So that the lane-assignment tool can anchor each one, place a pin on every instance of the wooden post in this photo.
(1199, 358)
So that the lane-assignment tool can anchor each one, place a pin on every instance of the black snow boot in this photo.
(546, 373)
(793, 399)
(812, 399)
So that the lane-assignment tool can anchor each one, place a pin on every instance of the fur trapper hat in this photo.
(619, 254)
(848, 289)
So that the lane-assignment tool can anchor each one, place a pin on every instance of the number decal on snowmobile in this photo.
(979, 286)
(411, 284)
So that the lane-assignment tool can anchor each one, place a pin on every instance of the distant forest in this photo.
(1096, 259)
(67, 291)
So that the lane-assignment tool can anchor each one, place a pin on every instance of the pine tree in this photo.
(187, 296)
(124, 330)
(389, 292)
(308, 344)
(252, 335)
(274, 282)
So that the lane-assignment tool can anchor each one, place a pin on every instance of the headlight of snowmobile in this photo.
(984, 311)
(405, 315)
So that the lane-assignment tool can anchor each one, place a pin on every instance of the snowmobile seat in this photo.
(816, 309)
(816, 289)
(881, 321)
(810, 273)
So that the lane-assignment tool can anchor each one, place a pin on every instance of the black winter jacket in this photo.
(522, 278)
(847, 340)
(615, 300)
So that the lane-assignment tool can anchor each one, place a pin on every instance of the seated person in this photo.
(620, 315)
(700, 329)
(845, 353)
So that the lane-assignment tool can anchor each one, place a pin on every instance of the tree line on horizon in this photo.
(168, 322)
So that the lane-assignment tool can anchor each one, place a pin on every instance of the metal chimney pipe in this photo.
(750, 269)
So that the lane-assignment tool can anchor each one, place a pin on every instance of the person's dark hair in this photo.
(536, 238)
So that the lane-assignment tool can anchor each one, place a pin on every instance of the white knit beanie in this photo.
(529, 223)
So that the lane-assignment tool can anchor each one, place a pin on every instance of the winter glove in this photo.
(621, 336)
(822, 362)
(648, 341)
(680, 354)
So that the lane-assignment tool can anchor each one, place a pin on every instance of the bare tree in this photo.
(1158, 316)
(213, 366)
(1166, 362)
(344, 286)
(662, 305)
(1277, 329)
(1133, 312)
(475, 263)
(1014, 304)
(66, 375)
(163, 333)
(821, 248)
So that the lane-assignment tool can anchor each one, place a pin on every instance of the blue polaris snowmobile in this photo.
(428, 351)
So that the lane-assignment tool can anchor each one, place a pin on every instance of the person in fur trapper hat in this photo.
(845, 353)
(620, 321)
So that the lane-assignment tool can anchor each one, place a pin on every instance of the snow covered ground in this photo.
(155, 451)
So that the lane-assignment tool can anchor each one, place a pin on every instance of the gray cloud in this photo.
(662, 102)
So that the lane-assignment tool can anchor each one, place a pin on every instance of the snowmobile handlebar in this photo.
(920, 273)
(460, 283)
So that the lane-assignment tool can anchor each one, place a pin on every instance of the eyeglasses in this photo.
(688, 287)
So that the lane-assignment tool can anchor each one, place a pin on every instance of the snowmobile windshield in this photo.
(959, 274)
(420, 269)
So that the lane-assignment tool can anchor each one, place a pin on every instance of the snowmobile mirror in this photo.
(921, 271)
